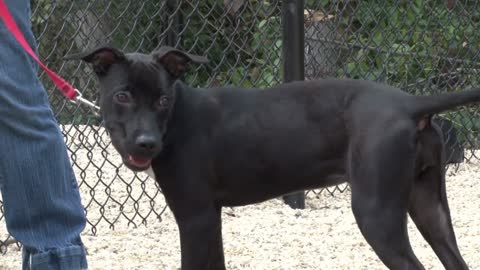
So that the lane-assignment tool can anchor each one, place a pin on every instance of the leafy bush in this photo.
(422, 46)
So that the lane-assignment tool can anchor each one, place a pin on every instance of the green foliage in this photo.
(467, 125)
(418, 45)
(244, 49)
(404, 41)
(421, 46)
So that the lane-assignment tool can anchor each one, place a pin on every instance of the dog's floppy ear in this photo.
(176, 61)
(101, 58)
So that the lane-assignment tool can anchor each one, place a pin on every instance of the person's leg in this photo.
(41, 198)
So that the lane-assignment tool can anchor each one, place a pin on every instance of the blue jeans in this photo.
(43, 210)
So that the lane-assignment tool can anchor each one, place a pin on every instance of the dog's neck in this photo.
(185, 109)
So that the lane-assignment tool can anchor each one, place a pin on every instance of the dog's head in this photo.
(137, 97)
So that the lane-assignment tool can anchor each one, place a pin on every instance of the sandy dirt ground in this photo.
(267, 235)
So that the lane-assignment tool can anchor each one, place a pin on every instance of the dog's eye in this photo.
(123, 97)
(162, 102)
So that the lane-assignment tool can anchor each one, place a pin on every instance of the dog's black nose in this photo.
(146, 142)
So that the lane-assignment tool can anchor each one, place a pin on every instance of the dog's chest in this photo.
(150, 173)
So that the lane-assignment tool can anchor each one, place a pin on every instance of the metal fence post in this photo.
(177, 23)
(293, 63)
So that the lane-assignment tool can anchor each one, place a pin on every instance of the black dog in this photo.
(218, 147)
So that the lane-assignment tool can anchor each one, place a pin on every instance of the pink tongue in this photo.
(139, 162)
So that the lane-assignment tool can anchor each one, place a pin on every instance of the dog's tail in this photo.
(428, 105)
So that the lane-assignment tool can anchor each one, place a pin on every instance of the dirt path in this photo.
(264, 236)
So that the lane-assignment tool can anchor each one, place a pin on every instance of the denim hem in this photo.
(71, 258)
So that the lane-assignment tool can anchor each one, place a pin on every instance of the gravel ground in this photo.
(267, 235)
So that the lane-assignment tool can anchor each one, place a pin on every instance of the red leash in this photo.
(61, 84)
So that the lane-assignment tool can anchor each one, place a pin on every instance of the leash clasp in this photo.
(80, 100)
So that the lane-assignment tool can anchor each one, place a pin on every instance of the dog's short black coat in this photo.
(226, 146)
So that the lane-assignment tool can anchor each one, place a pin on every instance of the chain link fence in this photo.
(421, 46)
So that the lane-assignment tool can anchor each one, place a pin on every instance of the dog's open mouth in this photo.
(139, 162)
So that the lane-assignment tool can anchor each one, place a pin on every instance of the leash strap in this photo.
(61, 84)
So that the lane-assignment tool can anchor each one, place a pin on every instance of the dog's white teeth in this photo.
(139, 162)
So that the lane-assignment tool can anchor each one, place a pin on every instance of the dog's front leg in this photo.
(198, 219)
(201, 240)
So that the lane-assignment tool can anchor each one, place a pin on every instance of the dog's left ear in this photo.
(176, 61)
(101, 58)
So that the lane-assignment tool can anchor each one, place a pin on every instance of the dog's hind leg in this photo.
(381, 173)
(430, 213)
(429, 205)
(217, 258)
